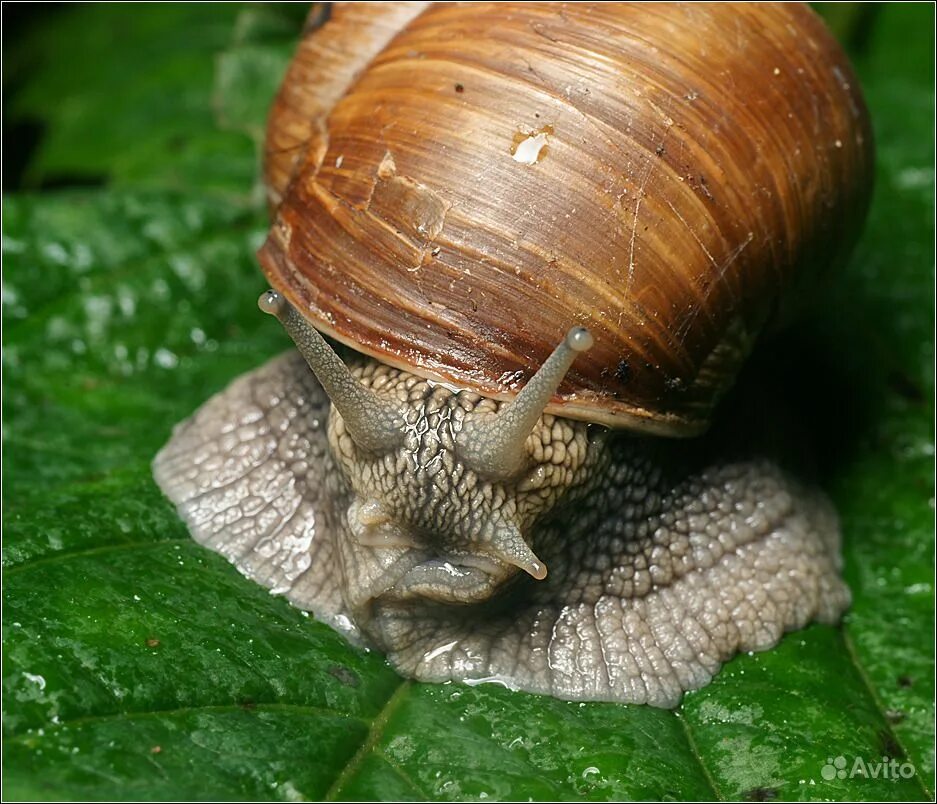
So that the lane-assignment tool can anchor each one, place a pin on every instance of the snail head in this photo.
(445, 485)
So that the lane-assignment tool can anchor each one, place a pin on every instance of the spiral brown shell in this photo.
(456, 185)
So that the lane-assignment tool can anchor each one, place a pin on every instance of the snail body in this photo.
(470, 490)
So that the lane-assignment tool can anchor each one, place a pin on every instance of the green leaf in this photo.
(146, 96)
(137, 665)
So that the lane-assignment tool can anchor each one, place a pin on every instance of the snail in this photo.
(541, 239)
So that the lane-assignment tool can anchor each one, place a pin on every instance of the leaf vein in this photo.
(299, 709)
(879, 706)
(401, 773)
(694, 750)
(65, 555)
(370, 741)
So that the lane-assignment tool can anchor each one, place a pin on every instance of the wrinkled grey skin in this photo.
(660, 566)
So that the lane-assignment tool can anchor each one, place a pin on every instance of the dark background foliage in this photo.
(137, 665)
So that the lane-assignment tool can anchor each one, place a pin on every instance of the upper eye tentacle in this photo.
(494, 445)
(374, 422)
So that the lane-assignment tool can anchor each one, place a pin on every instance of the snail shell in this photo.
(454, 188)
(456, 185)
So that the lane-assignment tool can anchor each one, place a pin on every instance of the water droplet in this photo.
(35, 679)
(165, 359)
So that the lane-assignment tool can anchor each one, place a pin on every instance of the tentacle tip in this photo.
(271, 303)
(510, 547)
(579, 339)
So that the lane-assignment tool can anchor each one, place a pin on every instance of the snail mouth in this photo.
(452, 579)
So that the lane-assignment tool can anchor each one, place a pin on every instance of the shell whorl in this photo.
(455, 184)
